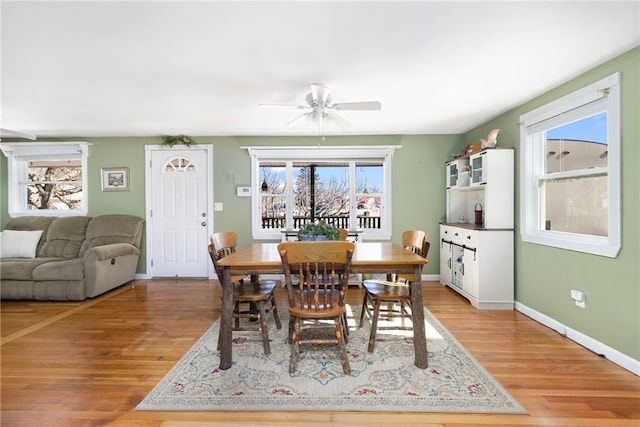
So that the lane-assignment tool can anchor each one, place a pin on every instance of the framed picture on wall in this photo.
(115, 179)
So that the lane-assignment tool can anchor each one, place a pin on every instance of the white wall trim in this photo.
(597, 347)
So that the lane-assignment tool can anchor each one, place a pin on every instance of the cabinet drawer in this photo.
(459, 236)
(468, 238)
(450, 234)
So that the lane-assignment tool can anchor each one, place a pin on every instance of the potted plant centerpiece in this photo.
(318, 231)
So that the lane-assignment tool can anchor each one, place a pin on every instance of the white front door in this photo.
(178, 215)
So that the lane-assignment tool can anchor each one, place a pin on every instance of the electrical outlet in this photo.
(579, 297)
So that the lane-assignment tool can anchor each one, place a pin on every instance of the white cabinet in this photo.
(478, 264)
(484, 189)
(476, 239)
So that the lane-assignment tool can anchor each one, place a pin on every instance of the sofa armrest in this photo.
(109, 266)
(114, 250)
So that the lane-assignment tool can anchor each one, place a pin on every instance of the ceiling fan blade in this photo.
(299, 107)
(319, 93)
(295, 122)
(362, 106)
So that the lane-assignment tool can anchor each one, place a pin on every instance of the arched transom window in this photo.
(178, 165)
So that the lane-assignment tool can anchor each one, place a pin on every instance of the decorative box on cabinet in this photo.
(476, 239)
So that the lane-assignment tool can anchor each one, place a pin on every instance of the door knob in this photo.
(203, 223)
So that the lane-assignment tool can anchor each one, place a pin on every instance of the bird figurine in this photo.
(491, 140)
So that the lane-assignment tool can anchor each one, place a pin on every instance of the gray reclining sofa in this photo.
(76, 257)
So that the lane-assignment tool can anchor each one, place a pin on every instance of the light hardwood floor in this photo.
(91, 363)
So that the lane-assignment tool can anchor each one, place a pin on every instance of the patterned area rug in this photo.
(385, 380)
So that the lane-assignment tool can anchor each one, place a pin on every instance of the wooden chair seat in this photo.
(253, 291)
(251, 300)
(387, 290)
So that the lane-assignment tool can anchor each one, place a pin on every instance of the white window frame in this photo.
(350, 154)
(18, 156)
(605, 92)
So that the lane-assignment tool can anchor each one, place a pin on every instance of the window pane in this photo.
(301, 194)
(577, 205)
(273, 195)
(321, 192)
(54, 185)
(331, 194)
(578, 145)
(369, 191)
(60, 170)
(54, 196)
(369, 178)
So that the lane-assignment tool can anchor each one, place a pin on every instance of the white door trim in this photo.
(148, 149)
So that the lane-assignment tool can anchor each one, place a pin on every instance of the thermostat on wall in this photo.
(243, 191)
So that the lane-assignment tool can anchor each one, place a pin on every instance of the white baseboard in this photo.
(596, 346)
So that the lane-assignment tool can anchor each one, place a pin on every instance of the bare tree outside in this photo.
(331, 192)
(273, 191)
(54, 185)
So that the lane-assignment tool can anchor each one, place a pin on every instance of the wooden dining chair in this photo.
(253, 300)
(343, 233)
(318, 296)
(394, 292)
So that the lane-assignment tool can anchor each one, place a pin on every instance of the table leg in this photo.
(226, 317)
(419, 334)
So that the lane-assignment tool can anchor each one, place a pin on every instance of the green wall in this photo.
(545, 275)
(417, 180)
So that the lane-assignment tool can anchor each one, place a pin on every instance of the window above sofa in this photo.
(47, 178)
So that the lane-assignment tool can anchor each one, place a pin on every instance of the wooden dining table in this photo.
(368, 257)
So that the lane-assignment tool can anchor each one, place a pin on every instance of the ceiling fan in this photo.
(321, 106)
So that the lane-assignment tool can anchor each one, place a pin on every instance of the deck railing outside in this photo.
(364, 222)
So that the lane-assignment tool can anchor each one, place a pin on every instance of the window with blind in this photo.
(47, 178)
(570, 171)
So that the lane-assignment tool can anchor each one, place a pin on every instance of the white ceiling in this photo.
(147, 68)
